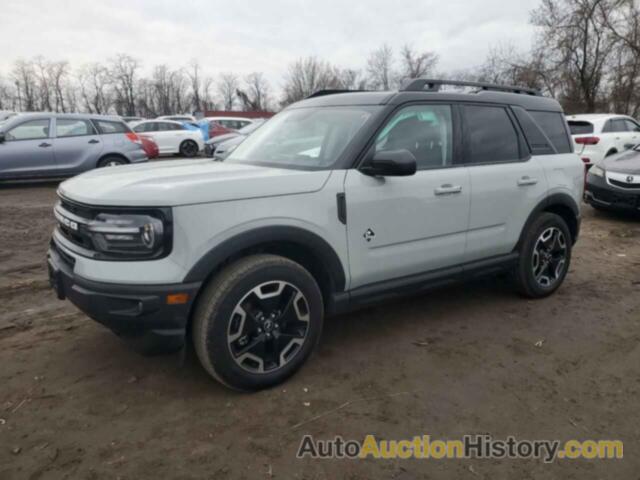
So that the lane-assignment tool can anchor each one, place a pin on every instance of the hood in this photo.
(625, 162)
(221, 138)
(180, 182)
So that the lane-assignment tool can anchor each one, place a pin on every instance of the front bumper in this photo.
(209, 149)
(600, 194)
(139, 314)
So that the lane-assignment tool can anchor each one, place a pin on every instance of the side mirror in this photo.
(2, 137)
(392, 163)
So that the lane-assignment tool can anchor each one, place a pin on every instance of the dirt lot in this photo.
(76, 403)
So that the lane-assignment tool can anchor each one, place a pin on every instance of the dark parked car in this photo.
(614, 182)
(57, 145)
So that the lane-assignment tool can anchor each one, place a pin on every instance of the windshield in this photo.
(305, 138)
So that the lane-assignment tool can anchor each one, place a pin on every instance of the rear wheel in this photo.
(257, 322)
(189, 148)
(111, 161)
(545, 256)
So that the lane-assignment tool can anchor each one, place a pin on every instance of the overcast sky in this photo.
(246, 36)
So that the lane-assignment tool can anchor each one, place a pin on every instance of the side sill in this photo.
(342, 302)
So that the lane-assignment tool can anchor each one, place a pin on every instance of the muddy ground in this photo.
(77, 403)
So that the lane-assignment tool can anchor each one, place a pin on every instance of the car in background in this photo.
(6, 115)
(232, 123)
(597, 136)
(36, 145)
(132, 120)
(172, 137)
(178, 118)
(614, 182)
(150, 147)
(230, 139)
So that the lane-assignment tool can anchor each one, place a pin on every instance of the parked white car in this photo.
(597, 136)
(234, 123)
(172, 137)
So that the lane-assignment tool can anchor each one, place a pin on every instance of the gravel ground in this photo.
(76, 403)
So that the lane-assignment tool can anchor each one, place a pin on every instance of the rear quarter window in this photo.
(580, 127)
(107, 127)
(553, 124)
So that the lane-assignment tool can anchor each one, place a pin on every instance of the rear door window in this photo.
(580, 127)
(615, 125)
(554, 126)
(66, 127)
(490, 135)
(107, 127)
(632, 126)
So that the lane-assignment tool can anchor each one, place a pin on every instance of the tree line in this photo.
(586, 54)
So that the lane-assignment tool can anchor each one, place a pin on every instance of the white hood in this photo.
(184, 182)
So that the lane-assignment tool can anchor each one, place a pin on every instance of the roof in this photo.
(528, 102)
(92, 116)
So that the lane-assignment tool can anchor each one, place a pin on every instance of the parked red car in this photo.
(150, 147)
(216, 129)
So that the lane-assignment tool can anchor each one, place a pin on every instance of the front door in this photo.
(28, 150)
(402, 226)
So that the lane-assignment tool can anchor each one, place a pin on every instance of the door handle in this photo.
(448, 189)
(93, 140)
(526, 180)
(44, 145)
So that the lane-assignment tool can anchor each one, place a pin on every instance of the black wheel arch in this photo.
(561, 204)
(298, 244)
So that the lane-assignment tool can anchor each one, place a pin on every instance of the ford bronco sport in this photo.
(339, 200)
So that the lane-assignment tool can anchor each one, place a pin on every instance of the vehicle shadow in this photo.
(14, 184)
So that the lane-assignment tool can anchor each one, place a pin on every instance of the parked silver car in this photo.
(56, 145)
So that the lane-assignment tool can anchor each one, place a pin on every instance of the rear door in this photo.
(28, 150)
(77, 145)
(402, 226)
(618, 134)
(506, 182)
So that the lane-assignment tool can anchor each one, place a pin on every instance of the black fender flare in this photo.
(268, 235)
(561, 199)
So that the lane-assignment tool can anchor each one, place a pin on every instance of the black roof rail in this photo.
(322, 93)
(432, 85)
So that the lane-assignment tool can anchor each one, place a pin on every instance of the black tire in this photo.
(229, 344)
(531, 278)
(189, 149)
(111, 161)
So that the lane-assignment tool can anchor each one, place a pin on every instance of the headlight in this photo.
(129, 235)
(597, 171)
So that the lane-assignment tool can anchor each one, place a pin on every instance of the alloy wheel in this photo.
(549, 257)
(268, 327)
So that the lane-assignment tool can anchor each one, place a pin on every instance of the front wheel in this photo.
(257, 322)
(545, 256)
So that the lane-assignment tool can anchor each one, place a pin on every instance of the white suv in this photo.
(172, 136)
(338, 201)
(598, 136)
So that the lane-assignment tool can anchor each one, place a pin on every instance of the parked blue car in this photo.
(34, 145)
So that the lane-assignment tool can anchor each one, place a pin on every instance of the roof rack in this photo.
(322, 93)
(431, 85)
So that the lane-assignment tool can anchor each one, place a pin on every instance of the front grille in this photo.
(72, 223)
(620, 184)
(612, 197)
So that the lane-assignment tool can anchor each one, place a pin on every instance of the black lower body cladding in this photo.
(142, 315)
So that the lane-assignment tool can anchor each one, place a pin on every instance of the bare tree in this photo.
(255, 95)
(24, 78)
(308, 75)
(380, 68)
(576, 41)
(93, 84)
(195, 80)
(124, 72)
(227, 86)
(416, 64)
